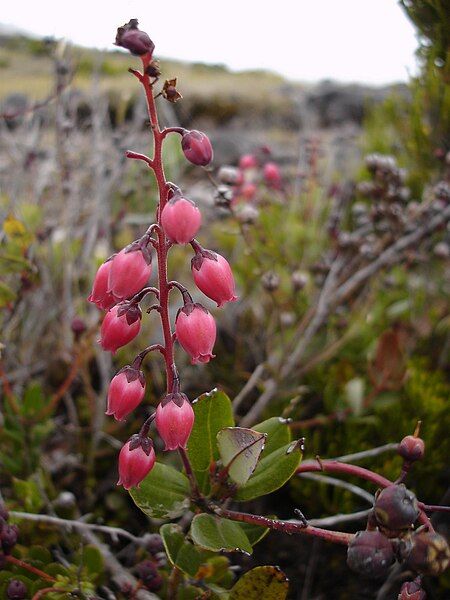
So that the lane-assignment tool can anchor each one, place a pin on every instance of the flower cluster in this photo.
(240, 185)
(121, 283)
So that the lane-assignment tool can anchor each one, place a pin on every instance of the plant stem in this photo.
(157, 166)
(333, 466)
(289, 527)
(196, 493)
(23, 565)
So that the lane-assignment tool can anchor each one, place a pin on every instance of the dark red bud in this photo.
(9, 536)
(197, 148)
(136, 41)
(16, 590)
(78, 326)
(411, 448)
(148, 574)
(412, 590)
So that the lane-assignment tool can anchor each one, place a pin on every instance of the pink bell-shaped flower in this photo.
(120, 325)
(272, 175)
(100, 295)
(174, 420)
(196, 331)
(197, 148)
(181, 219)
(212, 275)
(136, 460)
(130, 271)
(125, 393)
(248, 161)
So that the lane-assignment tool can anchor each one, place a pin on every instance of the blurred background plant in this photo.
(354, 362)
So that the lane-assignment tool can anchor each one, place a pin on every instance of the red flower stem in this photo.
(196, 494)
(23, 565)
(434, 508)
(139, 156)
(334, 466)
(156, 164)
(337, 537)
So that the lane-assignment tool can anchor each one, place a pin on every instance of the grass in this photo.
(27, 68)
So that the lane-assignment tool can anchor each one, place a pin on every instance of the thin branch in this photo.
(251, 382)
(340, 518)
(390, 255)
(354, 489)
(367, 453)
(24, 565)
(81, 526)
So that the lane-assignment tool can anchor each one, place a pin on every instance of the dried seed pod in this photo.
(370, 554)
(425, 552)
(396, 508)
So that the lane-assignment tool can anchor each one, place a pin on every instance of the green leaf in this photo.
(213, 412)
(217, 534)
(92, 560)
(272, 472)
(278, 433)
(263, 582)
(255, 533)
(181, 553)
(6, 294)
(33, 400)
(163, 494)
(29, 494)
(240, 449)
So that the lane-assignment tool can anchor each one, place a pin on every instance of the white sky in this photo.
(349, 40)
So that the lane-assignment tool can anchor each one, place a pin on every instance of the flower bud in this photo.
(411, 448)
(230, 176)
(299, 280)
(78, 327)
(130, 271)
(212, 275)
(248, 191)
(174, 420)
(270, 281)
(272, 175)
(100, 295)
(412, 590)
(370, 554)
(196, 331)
(181, 219)
(396, 508)
(247, 214)
(126, 391)
(153, 543)
(248, 161)
(16, 590)
(117, 330)
(9, 536)
(136, 460)
(197, 148)
(148, 574)
(136, 41)
(426, 553)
